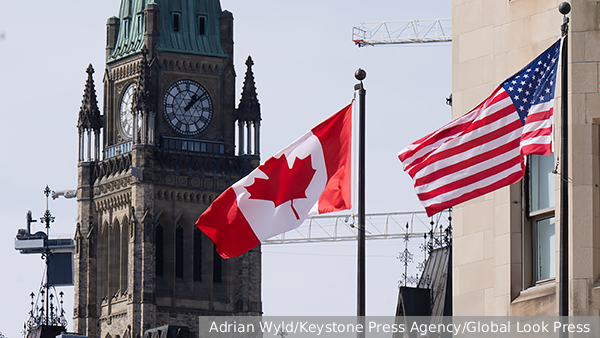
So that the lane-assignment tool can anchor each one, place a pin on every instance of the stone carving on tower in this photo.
(142, 104)
(164, 148)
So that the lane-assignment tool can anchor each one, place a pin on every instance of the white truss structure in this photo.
(402, 32)
(338, 228)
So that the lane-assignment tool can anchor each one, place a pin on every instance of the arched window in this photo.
(217, 266)
(179, 252)
(160, 251)
(197, 254)
(114, 260)
(103, 260)
(124, 253)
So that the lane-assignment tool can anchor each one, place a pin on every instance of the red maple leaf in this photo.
(284, 183)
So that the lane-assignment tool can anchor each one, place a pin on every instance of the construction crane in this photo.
(402, 32)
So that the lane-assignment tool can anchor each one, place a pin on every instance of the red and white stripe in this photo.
(477, 153)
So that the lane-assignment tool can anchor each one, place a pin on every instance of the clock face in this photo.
(126, 116)
(187, 107)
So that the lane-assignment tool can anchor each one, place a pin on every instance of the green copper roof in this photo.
(186, 26)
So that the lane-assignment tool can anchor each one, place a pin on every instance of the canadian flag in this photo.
(311, 176)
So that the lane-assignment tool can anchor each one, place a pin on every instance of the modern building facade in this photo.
(505, 258)
(162, 149)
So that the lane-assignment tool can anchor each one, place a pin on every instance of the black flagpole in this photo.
(361, 280)
(563, 295)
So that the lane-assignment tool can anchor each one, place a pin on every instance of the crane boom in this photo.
(339, 228)
(402, 32)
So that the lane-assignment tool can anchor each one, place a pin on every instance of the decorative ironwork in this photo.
(439, 236)
(406, 257)
(421, 266)
(47, 218)
(45, 310)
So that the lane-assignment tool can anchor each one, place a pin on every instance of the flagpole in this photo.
(361, 280)
(563, 296)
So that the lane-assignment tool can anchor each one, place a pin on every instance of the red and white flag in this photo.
(485, 149)
(311, 176)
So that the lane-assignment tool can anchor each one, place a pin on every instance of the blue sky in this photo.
(304, 71)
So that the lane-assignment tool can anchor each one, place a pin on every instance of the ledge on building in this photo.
(597, 285)
(537, 291)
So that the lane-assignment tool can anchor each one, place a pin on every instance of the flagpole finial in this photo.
(360, 74)
(564, 8)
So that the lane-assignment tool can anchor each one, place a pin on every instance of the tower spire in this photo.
(248, 113)
(249, 107)
(89, 119)
(89, 114)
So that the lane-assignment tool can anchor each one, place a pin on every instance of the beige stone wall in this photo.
(492, 39)
(585, 107)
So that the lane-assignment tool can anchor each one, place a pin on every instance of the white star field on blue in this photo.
(534, 83)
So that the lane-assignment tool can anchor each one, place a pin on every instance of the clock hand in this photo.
(195, 99)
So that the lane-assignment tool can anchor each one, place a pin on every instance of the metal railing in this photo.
(117, 150)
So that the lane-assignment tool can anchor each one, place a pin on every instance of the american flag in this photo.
(485, 149)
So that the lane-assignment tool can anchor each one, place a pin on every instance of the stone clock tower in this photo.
(163, 149)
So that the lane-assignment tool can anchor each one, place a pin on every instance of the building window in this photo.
(202, 25)
(542, 182)
(160, 250)
(545, 249)
(541, 215)
(175, 22)
(114, 268)
(171, 143)
(179, 252)
(197, 254)
(139, 24)
(126, 28)
(217, 266)
(124, 254)
(104, 260)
